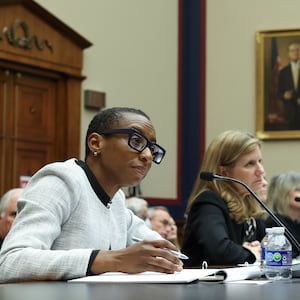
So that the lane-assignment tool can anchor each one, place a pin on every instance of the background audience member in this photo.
(8, 211)
(138, 206)
(159, 218)
(284, 201)
(173, 233)
(221, 227)
(72, 220)
(263, 193)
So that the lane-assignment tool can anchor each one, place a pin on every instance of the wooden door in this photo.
(41, 60)
(30, 124)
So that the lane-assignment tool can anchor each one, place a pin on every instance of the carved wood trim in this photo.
(24, 41)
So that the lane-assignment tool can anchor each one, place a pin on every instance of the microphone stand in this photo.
(273, 216)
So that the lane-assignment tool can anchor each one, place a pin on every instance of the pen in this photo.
(175, 253)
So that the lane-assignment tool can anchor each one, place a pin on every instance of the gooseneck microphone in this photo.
(208, 176)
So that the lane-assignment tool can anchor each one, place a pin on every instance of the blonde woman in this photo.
(221, 227)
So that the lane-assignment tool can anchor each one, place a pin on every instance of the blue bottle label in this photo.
(278, 258)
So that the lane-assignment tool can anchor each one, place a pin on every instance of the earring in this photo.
(95, 153)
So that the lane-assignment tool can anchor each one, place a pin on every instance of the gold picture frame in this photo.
(275, 116)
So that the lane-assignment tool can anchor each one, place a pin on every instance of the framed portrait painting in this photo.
(278, 84)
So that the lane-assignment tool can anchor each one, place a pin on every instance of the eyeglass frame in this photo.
(131, 132)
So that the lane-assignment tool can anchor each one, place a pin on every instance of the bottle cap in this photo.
(278, 230)
(271, 229)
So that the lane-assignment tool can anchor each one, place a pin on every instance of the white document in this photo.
(185, 276)
(240, 273)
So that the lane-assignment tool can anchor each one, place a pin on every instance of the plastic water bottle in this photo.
(263, 244)
(278, 256)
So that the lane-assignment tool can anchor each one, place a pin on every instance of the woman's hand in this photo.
(255, 248)
(140, 257)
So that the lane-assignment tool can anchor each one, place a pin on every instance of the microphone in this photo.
(208, 176)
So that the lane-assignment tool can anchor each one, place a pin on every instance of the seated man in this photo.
(160, 220)
(8, 210)
(138, 206)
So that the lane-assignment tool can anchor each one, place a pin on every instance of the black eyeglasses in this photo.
(137, 141)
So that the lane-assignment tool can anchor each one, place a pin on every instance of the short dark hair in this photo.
(108, 119)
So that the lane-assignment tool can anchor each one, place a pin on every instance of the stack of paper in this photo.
(185, 276)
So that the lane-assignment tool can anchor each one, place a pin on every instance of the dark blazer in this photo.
(211, 235)
(286, 83)
(291, 109)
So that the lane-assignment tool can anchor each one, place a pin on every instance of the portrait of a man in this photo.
(289, 88)
(278, 84)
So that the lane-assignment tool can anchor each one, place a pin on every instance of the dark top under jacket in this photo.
(211, 235)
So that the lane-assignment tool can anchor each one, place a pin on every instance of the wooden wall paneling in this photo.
(6, 127)
(73, 119)
(35, 107)
(28, 157)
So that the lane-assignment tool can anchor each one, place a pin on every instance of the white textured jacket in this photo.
(60, 221)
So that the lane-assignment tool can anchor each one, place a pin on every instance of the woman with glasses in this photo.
(222, 226)
(284, 200)
(72, 220)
